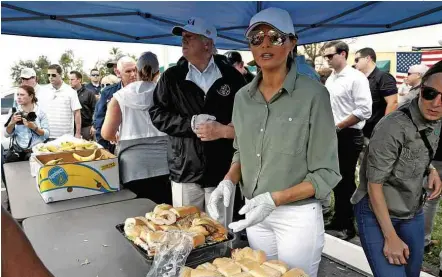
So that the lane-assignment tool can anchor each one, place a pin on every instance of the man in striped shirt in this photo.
(61, 105)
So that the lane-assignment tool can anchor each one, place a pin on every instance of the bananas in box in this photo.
(67, 146)
(76, 174)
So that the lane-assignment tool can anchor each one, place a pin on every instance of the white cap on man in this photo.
(198, 26)
(27, 73)
(277, 18)
(418, 68)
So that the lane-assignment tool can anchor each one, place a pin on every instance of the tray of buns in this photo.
(210, 239)
(245, 262)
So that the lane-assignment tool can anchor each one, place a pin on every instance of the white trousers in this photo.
(292, 234)
(185, 194)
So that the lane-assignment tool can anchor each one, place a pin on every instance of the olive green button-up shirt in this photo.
(288, 140)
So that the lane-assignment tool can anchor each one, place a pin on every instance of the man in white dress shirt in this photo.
(351, 103)
(193, 104)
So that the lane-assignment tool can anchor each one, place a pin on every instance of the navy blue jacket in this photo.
(101, 107)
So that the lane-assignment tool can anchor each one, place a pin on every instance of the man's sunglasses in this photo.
(358, 58)
(330, 56)
(276, 38)
(95, 75)
(105, 85)
(429, 93)
(52, 75)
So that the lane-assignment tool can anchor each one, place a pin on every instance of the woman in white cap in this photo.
(286, 150)
(143, 149)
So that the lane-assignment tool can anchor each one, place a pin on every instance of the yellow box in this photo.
(73, 179)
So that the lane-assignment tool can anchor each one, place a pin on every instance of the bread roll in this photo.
(185, 272)
(265, 271)
(243, 274)
(199, 230)
(247, 264)
(198, 239)
(219, 262)
(257, 255)
(278, 265)
(185, 211)
(229, 269)
(207, 266)
(204, 273)
(296, 272)
(153, 227)
(162, 207)
(239, 254)
(168, 228)
(155, 237)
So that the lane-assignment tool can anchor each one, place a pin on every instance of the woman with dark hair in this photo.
(142, 148)
(390, 197)
(27, 125)
(286, 150)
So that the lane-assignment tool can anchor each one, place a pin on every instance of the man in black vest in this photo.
(193, 104)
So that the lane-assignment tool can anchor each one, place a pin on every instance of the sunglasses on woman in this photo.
(429, 93)
(276, 38)
(105, 85)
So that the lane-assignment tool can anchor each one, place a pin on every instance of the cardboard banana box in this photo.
(77, 174)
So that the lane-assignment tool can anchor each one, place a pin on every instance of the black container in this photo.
(198, 256)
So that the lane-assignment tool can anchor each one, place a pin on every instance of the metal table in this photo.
(84, 242)
(25, 201)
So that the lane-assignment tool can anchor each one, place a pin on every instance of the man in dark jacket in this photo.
(126, 68)
(235, 59)
(193, 104)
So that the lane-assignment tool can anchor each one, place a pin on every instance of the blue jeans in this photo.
(410, 231)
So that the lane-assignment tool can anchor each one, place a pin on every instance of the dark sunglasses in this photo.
(330, 56)
(95, 75)
(276, 38)
(105, 85)
(52, 75)
(429, 93)
(358, 58)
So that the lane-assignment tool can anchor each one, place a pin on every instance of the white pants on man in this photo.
(292, 234)
(191, 194)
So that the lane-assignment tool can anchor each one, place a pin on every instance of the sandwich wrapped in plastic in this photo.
(171, 252)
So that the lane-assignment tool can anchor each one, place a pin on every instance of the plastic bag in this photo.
(171, 254)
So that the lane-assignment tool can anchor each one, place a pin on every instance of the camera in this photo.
(31, 116)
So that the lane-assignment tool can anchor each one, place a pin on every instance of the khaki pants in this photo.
(191, 194)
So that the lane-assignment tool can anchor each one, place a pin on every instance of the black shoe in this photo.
(440, 273)
(345, 234)
(333, 225)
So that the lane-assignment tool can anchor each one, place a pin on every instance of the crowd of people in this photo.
(264, 151)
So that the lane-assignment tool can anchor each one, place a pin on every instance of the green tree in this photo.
(69, 62)
(42, 64)
(115, 53)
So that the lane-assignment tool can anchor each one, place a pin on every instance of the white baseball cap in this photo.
(198, 26)
(27, 73)
(277, 18)
(418, 68)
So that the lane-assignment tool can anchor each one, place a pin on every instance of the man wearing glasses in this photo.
(414, 80)
(382, 86)
(94, 85)
(28, 77)
(351, 103)
(193, 104)
(61, 105)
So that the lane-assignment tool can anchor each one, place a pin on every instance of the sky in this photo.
(14, 48)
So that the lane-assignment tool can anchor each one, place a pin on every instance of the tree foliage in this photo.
(312, 51)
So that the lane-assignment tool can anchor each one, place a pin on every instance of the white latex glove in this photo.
(223, 191)
(199, 119)
(256, 210)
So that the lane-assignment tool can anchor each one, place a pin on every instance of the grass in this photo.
(432, 258)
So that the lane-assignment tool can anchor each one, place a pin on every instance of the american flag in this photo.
(406, 59)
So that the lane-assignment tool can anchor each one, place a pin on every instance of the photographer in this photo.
(27, 126)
